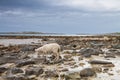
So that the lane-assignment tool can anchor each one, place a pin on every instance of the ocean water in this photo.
(44, 35)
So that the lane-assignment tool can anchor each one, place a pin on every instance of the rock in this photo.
(110, 55)
(72, 76)
(81, 64)
(15, 77)
(67, 56)
(105, 70)
(28, 48)
(34, 71)
(51, 73)
(16, 70)
(80, 58)
(97, 45)
(3, 69)
(97, 69)
(117, 46)
(24, 63)
(70, 63)
(99, 62)
(87, 72)
(63, 70)
(109, 65)
(87, 52)
(8, 59)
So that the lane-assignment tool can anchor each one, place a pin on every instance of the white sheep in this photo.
(51, 48)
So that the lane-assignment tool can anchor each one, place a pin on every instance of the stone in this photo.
(67, 56)
(8, 59)
(72, 76)
(24, 63)
(3, 69)
(87, 72)
(28, 48)
(51, 73)
(97, 69)
(117, 46)
(63, 70)
(34, 71)
(87, 52)
(109, 65)
(81, 64)
(99, 62)
(16, 70)
(16, 77)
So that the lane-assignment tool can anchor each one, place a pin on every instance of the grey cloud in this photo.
(22, 4)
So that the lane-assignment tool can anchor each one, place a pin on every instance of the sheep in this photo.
(51, 48)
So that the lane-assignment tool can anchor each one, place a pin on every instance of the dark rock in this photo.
(24, 63)
(73, 76)
(8, 59)
(16, 70)
(105, 70)
(87, 52)
(109, 65)
(110, 55)
(97, 45)
(87, 72)
(3, 69)
(51, 73)
(34, 71)
(15, 77)
(68, 56)
(28, 48)
(117, 46)
(97, 69)
(99, 62)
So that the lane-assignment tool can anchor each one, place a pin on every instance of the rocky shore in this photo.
(82, 58)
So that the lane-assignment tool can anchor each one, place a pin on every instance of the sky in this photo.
(60, 16)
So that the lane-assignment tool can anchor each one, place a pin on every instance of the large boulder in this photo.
(87, 52)
(87, 72)
(34, 71)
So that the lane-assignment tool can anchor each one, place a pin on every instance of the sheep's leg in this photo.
(56, 56)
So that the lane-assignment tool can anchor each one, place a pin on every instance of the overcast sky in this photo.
(60, 16)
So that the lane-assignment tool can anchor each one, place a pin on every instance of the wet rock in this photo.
(110, 55)
(24, 63)
(99, 62)
(87, 72)
(80, 58)
(72, 76)
(8, 59)
(109, 65)
(16, 70)
(63, 70)
(16, 77)
(34, 71)
(68, 56)
(87, 52)
(70, 63)
(3, 69)
(117, 46)
(28, 48)
(97, 69)
(81, 64)
(96, 44)
(105, 70)
(51, 73)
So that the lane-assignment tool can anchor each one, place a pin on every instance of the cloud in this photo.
(88, 5)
